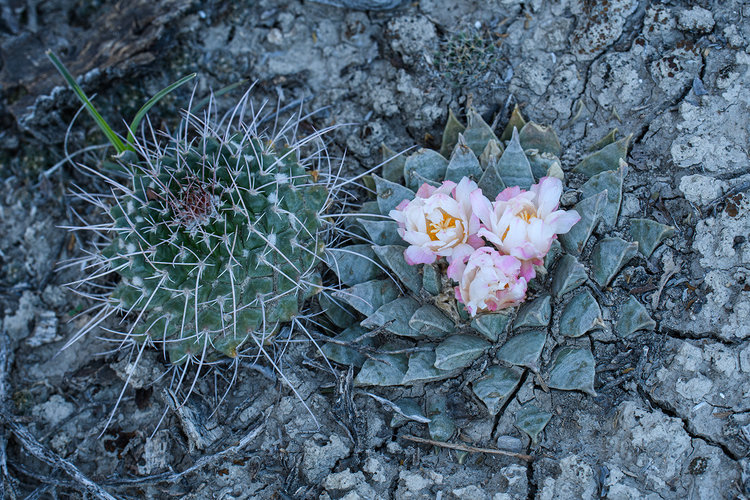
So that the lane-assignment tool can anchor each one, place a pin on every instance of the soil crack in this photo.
(670, 411)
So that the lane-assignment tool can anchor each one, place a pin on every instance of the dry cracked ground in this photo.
(672, 414)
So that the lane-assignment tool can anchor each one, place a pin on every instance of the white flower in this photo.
(439, 222)
(490, 282)
(525, 223)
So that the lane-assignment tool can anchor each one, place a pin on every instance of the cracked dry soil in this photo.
(672, 415)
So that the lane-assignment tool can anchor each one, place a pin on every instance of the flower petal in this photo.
(425, 190)
(417, 255)
(458, 261)
(481, 206)
(562, 221)
(508, 193)
(548, 192)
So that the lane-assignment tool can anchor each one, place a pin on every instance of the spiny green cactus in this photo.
(467, 54)
(217, 235)
(416, 330)
(214, 241)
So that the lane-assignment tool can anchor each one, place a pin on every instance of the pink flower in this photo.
(525, 223)
(490, 282)
(439, 222)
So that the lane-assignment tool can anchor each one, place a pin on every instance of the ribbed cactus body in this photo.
(214, 243)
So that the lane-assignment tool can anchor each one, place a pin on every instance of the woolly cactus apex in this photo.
(438, 324)
(217, 237)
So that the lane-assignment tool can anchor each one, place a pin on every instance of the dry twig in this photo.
(470, 449)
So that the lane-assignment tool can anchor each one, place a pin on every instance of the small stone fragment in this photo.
(319, 459)
(45, 330)
(53, 411)
(695, 19)
(701, 190)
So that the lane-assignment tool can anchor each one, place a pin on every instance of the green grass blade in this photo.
(116, 142)
(150, 103)
(203, 102)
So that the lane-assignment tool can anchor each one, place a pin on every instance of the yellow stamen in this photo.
(447, 222)
(527, 215)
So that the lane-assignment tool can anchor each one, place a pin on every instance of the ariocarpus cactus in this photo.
(478, 255)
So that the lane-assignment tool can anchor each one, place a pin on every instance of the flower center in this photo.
(446, 222)
(526, 214)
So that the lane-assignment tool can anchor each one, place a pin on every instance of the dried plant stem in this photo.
(37, 449)
(471, 449)
(173, 477)
(28, 441)
(5, 361)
